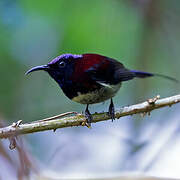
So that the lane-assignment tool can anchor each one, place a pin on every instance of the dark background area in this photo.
(143, 35)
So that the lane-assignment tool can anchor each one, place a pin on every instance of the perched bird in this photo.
(90, 78)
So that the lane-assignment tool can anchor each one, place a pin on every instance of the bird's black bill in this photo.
(38, 68)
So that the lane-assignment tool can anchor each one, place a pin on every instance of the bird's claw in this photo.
(88, 117)
(111, 111)
(84, 123)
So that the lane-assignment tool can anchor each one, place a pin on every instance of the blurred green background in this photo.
(143, 35)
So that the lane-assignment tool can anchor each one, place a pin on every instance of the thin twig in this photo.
(77, 120)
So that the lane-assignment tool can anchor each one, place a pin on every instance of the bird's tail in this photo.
(141, 74)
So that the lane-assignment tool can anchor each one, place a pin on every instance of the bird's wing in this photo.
(109, 72)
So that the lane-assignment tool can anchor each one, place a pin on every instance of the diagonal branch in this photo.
(77, 120)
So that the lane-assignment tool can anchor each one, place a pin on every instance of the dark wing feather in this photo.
(109, 71)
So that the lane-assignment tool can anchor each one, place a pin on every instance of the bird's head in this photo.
(60, 68)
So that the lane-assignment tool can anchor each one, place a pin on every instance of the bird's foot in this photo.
(111, 111)
(88, 117)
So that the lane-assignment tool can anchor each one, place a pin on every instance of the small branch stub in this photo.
(153, 100)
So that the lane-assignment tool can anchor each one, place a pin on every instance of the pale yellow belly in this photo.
(103, 94)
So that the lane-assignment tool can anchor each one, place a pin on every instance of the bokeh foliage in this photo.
(143, 35)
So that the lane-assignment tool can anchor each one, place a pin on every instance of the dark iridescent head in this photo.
(59, 68)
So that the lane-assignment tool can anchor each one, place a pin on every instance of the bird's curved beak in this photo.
(37, 68)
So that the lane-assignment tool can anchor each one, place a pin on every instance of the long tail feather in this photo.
(141, 74)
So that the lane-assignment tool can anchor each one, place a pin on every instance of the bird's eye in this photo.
(62, 64)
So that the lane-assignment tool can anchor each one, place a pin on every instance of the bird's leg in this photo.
(111, 111)
(88, 116)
